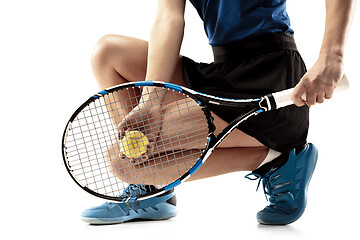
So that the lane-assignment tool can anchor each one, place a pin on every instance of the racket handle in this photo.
(283, 98)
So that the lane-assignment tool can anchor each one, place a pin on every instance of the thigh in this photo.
(190, 124)
(236, 138)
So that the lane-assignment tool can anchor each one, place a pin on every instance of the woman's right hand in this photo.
(146, 117)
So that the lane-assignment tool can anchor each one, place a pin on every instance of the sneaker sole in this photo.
(141, 214)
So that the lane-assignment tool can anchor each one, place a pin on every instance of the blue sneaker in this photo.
(286, 185)
(156, 208)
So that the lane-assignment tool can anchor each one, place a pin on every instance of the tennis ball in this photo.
(134, 144)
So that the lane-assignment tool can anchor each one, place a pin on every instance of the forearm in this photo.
(339, 14)
(322, 78)
(164, 47)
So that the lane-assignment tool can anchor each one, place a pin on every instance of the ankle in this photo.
(270, 156)
(274, 164)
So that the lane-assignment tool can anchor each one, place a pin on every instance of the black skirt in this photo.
(252, 68)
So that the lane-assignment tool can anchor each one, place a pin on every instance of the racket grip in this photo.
(283, 98)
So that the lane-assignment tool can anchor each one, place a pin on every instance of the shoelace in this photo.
(134, 190)
(266, 182)
(131, 191)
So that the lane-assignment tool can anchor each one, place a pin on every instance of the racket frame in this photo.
(257, 106)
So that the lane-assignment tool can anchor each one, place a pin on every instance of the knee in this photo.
(106, 49)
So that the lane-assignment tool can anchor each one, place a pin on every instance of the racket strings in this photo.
(162, 141)
(93, 175)
(92, 144)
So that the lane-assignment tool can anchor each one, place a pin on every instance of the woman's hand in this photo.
(320, 81)
(146, 117)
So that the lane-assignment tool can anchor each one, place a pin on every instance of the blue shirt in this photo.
(227, 21)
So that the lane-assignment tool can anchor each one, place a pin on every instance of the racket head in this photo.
(90, 143)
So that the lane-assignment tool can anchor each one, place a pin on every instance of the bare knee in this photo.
(116, 55)
(106, 49)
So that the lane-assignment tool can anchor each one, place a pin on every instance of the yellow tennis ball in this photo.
(134, 144)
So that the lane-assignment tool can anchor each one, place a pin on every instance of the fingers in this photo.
(310, 98)
(299, 91)
(123, 127)
(329, 94)
(320, 98)
(313, 90)
(147, 121)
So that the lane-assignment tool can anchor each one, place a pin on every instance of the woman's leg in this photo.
(119, 59)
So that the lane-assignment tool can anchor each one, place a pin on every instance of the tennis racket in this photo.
(93, 148)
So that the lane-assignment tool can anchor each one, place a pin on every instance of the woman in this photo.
(254, 54)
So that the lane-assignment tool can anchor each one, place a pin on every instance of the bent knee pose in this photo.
(129, 55)
(249, 61)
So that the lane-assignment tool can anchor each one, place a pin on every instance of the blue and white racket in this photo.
(104, 162)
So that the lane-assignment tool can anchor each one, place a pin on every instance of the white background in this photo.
(45, 49)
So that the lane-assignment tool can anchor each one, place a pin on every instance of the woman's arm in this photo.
(163, 56)
(165, 42)
(321, 80)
